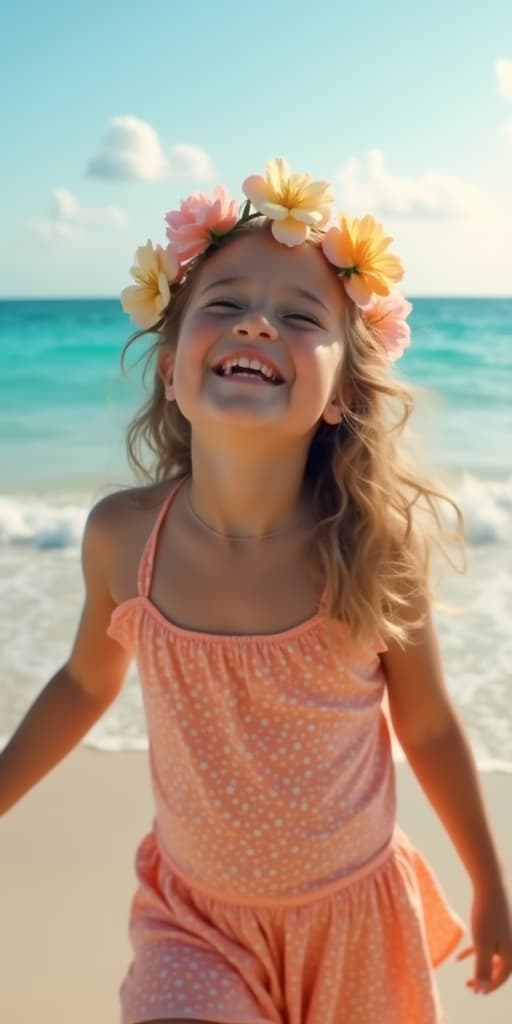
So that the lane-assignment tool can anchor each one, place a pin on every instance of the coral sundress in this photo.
(275, 886)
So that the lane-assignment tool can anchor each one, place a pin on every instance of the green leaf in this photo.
(244, 213)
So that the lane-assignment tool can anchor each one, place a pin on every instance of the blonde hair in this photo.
(376, 516)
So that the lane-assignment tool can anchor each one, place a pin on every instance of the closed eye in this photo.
(302, 316)
(223, 304)
(228, 304)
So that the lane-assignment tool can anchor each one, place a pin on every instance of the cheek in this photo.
(185, 374)
(319, 362)
(316, 375)
(192, 356)
(196, 335)
(191, 346)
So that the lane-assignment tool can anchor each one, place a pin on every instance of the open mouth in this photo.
(250, 370)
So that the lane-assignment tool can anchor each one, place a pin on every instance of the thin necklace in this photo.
(227, 536)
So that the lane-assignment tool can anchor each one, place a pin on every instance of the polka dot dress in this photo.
(275, 886)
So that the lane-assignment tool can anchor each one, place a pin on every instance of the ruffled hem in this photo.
(443, 927)
(365, 952)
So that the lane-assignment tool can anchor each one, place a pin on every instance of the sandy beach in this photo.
(66, 854)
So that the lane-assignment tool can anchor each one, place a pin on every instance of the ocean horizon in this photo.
(64, 408)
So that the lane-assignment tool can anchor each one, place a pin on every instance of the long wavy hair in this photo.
(377, 517)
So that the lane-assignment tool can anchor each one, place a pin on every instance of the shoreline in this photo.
(67, 851)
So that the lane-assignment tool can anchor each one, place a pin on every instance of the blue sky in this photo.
(113, 112)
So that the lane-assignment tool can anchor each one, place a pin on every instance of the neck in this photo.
(247, 500)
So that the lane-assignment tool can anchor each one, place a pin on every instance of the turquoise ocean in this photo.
(64, 407)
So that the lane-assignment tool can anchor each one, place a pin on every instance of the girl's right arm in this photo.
(79, 693)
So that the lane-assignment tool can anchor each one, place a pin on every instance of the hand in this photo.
(491, 928)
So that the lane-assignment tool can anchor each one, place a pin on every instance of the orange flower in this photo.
(293, 202)
(358, 247)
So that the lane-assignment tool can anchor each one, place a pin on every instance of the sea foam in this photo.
(44, 522)
(41, 523)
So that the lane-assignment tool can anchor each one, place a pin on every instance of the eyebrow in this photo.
(245, 280)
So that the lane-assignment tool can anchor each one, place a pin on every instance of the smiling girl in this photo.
(271, 575)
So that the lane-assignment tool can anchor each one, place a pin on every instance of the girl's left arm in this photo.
(436, 746)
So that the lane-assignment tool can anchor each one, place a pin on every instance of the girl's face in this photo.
(279, 304)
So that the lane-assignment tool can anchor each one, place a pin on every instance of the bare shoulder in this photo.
(125, 504)
(116, 531)
(119, 514)
(113, 539)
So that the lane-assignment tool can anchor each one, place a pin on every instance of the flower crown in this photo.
(294, 203)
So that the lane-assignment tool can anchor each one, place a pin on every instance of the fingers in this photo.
(499, 971)
(465, 953)
(483, 968)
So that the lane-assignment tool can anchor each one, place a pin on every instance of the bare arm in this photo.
(82, 689)
(435, 743)
(437, 748)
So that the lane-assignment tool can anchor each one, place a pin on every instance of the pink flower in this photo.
(385, 317)
(189, 228)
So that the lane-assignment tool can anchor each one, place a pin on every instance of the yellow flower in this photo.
(358, 247)
(155, 270)
(293, 202)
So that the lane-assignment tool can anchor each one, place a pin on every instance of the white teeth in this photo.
(243, 361)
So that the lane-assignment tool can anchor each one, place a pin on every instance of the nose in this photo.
(253, 326)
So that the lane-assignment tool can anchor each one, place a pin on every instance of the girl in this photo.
(272, 579)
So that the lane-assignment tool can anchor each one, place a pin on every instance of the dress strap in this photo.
(145, 573)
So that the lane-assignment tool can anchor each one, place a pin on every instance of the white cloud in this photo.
(132, 151)
(189, 161)
(507, 131)
(68, 219)
(504, 72)
(430, 196)
(465, 257)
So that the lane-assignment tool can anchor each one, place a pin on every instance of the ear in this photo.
(165, 370)
(333, 412)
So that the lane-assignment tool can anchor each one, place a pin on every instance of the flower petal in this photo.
(349, 227)
(164, 292)
(146, 259)
(358, 290)
(319, 191)
(368, 228)
(274, 211)
(378, 284)
(386, 320)
(188, 229)
(169, 262)
(256, 189)
(278, 175)
(129, 295)
(306, 216)
(389, 265)
(337, 247)
(290, 232)
(188, 250)
(142, 313)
